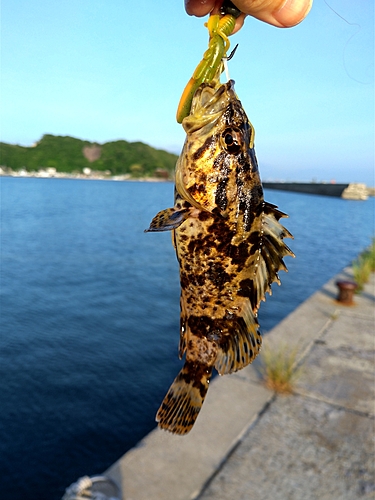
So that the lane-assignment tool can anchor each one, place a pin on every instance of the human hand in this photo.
(280, 13)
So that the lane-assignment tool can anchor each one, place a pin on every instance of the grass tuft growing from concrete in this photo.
(279, 368)
(363, 266)
(371, 255)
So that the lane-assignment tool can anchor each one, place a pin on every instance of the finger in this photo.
(199, 8)
(280, 13)
(239, 23)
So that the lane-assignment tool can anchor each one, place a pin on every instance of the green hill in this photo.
(71, 155)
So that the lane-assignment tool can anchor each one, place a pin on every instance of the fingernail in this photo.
(199, 8)
(187, 7)
(293, 12)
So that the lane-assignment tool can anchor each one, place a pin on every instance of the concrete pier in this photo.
(249, 443)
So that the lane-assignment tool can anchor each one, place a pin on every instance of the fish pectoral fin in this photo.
(240, 345)
(180, 407)
(168, 219)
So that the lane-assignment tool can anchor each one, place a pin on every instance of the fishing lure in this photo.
(219, 26)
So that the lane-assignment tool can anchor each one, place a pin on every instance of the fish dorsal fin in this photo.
(267, 257)
(240, 345)
(273, 247)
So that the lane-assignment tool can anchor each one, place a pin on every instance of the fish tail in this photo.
(181, 405)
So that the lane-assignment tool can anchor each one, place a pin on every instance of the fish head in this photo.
(216, 106)
(218, 161)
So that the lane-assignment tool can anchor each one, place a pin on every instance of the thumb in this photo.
(280, 13)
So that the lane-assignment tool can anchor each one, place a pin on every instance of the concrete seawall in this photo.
(352, 191)
(249, 443)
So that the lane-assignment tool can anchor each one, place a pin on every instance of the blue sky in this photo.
(106, 70)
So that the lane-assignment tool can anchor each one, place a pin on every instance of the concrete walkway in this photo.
(249, 443)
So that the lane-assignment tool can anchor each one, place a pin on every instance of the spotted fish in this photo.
(229, 245)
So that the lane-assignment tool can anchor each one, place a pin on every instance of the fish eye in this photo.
(228, 139)
(232, 140)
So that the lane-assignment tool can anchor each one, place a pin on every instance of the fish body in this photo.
(229, 245)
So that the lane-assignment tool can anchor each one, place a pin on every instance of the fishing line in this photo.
(225, 62)
(359, 29)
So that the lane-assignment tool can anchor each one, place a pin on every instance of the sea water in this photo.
(90, 316)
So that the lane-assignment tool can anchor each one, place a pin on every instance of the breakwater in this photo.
(353, 191)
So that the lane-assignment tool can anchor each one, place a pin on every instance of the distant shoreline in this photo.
(85, 177)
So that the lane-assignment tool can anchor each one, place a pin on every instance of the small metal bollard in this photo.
(346, 291)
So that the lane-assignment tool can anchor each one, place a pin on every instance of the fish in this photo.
(229, 245)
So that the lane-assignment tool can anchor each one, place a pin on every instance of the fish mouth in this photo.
(209, 102)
